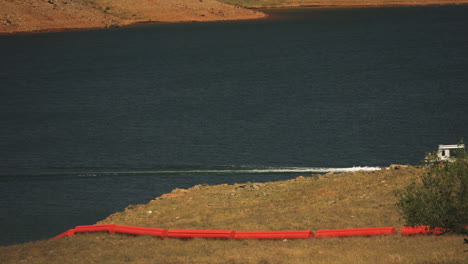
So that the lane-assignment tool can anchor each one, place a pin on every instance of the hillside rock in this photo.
(45, 15)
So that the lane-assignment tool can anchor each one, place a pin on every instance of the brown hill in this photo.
(41, 15)
(44, 15)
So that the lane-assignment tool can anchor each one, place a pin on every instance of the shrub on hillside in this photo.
(439, 197)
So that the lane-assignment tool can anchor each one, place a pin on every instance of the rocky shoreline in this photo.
(229, 206)
(361, 199)
(28, 16)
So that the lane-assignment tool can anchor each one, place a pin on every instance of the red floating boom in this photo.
(193, 233)
(133, 230)
(273, 234)
(414, 230)
(376, 231)
(95, 228)
(231, 234)
(70, 232)
(423, 230)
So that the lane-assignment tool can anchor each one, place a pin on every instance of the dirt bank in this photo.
(365, 198)
(44, 15)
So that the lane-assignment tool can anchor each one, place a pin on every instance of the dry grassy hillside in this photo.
(173, 10)
(33, 15)
(43, 15)
(40, 15)
(344, 200)
(348, 200)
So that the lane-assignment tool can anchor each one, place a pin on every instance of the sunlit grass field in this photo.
(331, 201)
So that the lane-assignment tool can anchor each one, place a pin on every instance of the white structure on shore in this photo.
(446, 152)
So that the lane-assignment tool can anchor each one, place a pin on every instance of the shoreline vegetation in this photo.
(29, 16)
(312, 202)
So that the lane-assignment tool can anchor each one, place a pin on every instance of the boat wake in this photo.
(184, 171)
(278, 170)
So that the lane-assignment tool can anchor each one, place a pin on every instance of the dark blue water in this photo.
(92, 121)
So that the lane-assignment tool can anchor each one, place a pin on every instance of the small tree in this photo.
(439, 197)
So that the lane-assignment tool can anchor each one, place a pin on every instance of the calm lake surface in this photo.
(92, 121)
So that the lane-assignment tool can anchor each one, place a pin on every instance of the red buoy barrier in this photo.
(422, 230)
(414, 230)
(134, 230)
(273, 234)
(70, 232)
(231, 234)
(95, 228)
(195, 233)
(356, 232)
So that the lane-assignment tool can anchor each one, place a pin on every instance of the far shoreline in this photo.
(266, 16)
(361, 5)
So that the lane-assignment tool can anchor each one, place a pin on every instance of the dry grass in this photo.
(103, 248)
(349, 200)
(43, 15)
(173, 11)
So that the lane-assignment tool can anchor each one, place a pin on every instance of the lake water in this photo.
(92, 121)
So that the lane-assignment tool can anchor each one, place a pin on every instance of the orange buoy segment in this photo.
(273, 234)
(197, 233)
(232, 234)
(375, 231)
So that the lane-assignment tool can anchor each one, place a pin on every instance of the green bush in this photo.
(439, 197)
